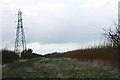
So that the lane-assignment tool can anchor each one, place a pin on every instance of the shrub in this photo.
(29, 55)
(8, 56)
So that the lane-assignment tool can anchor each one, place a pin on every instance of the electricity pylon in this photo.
(20, 42)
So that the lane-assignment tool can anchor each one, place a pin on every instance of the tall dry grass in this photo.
(101, 56)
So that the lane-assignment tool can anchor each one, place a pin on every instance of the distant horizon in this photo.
(94, 45)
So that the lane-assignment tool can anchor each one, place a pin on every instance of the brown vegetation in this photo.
(102, 55)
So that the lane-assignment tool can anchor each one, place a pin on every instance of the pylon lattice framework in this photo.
(20, 42)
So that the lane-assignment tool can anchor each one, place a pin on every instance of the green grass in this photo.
(53, 68)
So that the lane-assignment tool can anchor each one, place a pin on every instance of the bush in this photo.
(8, 56)
(54, 55)
(29, 55)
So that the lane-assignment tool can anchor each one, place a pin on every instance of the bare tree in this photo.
(113, 35)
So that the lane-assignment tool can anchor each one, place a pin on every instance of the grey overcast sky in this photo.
(57, 25)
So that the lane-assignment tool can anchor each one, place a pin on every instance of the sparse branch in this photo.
(113, 35)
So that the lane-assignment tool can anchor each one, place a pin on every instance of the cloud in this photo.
(64, 47)
(95, 4)
(58, 22)
(49, 48)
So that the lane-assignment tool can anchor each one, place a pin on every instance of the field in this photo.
(54, 68)
(97, 62)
